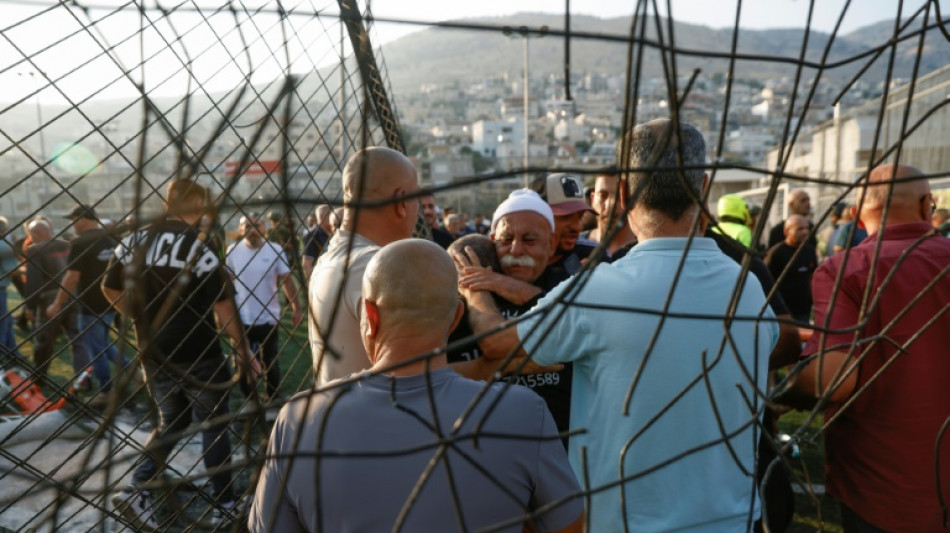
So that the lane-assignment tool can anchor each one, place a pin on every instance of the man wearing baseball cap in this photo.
(89, 256)
(563, 192)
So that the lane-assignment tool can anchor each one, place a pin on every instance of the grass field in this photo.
(817, 512)
(813, 513)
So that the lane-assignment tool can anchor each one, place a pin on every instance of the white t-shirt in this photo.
(257, 274)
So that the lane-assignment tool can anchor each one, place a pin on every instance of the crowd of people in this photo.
(587, 358)
(648, 355)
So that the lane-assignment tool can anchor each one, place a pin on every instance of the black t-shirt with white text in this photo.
(553, 387)
(167, 261)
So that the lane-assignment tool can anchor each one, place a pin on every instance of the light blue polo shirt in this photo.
(680, 474)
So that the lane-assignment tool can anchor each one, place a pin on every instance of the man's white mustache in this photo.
(526, 261)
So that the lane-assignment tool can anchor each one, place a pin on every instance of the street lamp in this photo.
(525, 34)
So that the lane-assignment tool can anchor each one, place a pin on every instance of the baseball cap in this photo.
(82, 211)
(523, 200)
(563, 192)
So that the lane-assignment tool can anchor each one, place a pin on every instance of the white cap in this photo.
(523, 200)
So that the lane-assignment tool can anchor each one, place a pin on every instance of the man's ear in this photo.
(459, 312)
(372, 317)
(854, 216)
(401, 207)
(926, 215)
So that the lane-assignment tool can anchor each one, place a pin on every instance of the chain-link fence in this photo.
(118, 108)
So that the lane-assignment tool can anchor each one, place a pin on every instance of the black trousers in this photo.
(263, 340)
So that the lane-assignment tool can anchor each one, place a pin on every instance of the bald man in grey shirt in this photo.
(365, 455)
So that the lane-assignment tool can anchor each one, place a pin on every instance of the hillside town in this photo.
(456, 131)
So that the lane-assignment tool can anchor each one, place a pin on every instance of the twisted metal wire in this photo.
(328, 96)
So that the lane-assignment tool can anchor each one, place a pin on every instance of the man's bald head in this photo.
(796, 230)
(799, 202)
(903, 193)
(39, 230)
(414, 284)
(373, 173)
(902, 188)
(383, 176)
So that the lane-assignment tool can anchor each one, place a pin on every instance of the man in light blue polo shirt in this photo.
(669, 404)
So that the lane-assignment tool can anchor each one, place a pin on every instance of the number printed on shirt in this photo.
(538, 380)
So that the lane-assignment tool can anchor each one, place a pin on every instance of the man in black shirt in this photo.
(794, 275)
(430, 213)
(89, 255)
(170, 281)
(799, 203)
(524, 239)
(45, 260)
(316, 239)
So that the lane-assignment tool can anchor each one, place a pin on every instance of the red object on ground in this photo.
(25, 394)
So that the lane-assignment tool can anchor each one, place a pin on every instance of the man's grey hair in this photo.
(662, 190)
(39, 227)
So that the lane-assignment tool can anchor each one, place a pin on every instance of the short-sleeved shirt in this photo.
(668, 436)
(257, 275)
(795, 284)
(46, 263)
(163, 261)
(841, 235)
(281, 235)
(517, 463)
(89, 255)
(880, 451)
(553, 387)
(336, 287)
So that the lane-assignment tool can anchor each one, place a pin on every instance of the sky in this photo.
(56, 37)
(756, 14)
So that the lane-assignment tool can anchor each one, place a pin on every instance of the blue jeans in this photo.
(94, 332)
(7, 338)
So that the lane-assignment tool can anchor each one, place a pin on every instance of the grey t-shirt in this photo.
(377, 438)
